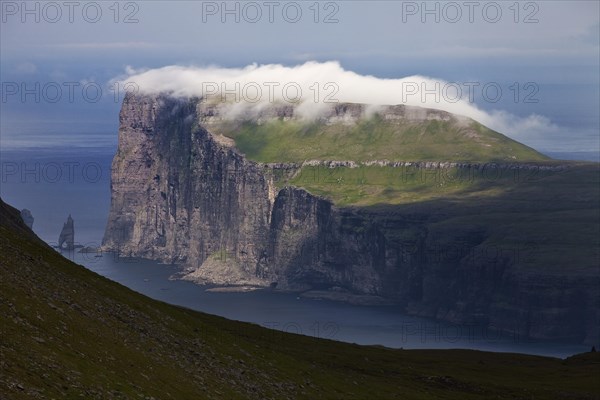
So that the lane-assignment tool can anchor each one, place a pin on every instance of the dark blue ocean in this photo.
(55, 182)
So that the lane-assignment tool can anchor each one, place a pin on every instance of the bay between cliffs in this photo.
(384, 325)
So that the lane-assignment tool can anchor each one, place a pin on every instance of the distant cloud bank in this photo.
(313, 85)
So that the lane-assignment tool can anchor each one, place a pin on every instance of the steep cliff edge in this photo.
(179, 195)
(477, 253)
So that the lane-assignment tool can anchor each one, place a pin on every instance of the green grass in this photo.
(295, 141)
(369, 185)
(374, 138)
(67, 332)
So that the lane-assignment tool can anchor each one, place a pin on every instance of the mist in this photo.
(314, 86)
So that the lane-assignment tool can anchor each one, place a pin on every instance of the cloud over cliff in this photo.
(313, 85)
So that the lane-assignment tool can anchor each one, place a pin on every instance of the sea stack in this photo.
(66, 240)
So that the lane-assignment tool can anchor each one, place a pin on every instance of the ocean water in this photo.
(53, 183)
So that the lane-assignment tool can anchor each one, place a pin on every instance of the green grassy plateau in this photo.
(68, 333)
(375, 138)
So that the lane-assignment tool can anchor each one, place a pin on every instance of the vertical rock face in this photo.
(182, 193)
(179, 195)
(66, 239)
(312, 244)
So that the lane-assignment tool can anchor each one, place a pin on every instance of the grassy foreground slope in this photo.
(67, 332)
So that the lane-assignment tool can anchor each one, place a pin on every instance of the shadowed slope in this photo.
(68, 332)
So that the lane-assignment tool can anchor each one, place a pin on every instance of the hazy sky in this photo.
(544, 55)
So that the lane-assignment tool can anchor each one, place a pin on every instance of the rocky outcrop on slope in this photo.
(27, 218)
